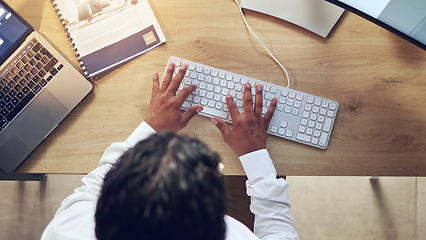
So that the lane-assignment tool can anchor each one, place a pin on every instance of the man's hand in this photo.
(249, 129)
(164, 110)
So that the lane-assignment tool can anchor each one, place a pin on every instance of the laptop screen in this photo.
(406, 18)
(13, 31)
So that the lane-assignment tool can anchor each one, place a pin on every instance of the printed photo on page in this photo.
(106, 33)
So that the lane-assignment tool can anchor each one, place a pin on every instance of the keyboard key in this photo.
(3, 123)
(199, 69)
(9, 106)
(14, 71)
(327, 124)
(30, 54)
(43, 82)
(34, 71)
(25, 59)
(28, 76)
(20, 106)
(3, 82)
(22, 73)
(31, 84)
(303, 137)
(50, 64)
(37, 89)
(6, 90)
(215, 112)
(323, 139)
(37, 47)
(46, 53)
(21, 95)
(15, 101)
(37, 56)
(53, 71)
(265, 88)
(31, 63)
(20, 65)
(44, 60)
(41, 73)
(11, 84)
(25, 90)
(4, 112)
(269, 96)
(7, 99)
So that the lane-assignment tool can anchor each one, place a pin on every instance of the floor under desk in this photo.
(322, 207)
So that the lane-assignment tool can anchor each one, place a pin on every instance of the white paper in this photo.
(118, 21)
(317, 16)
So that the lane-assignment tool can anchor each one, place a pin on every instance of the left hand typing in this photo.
(164, 109)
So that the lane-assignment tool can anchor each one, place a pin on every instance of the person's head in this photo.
(166, 187)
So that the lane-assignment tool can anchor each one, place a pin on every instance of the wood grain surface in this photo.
(378, 79)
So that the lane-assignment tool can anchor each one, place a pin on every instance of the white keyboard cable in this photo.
(273, 57)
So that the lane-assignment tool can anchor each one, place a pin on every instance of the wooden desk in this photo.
(378, 78)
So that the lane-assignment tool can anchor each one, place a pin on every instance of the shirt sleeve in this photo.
(75, 217)
(269, 198)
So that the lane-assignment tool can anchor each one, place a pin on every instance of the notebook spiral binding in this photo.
(64, 26)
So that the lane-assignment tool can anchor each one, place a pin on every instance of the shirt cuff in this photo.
(258, 164)
(142, 132)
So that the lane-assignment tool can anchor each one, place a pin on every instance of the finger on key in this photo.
(258, 107)
(270, 113)
(190, 113)
(223, 128)
(248, 98)
(168, 77)
(232, 108)
(174, 85)
(184, 94)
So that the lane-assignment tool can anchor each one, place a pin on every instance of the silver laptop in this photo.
(38, 88)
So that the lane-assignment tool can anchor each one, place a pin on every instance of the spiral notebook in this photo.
(107, 33)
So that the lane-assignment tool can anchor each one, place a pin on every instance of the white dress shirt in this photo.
(75, 218)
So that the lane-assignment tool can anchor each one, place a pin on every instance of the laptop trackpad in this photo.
(12, 151)
(40, 118)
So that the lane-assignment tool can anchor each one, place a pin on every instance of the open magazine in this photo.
(106, 33)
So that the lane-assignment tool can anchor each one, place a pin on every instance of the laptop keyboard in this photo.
(24, 78)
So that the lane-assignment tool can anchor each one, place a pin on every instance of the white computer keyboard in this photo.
(299, 116)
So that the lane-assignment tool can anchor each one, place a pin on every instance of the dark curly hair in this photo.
(165, 188)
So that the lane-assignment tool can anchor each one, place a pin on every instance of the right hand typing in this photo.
(249, 131)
